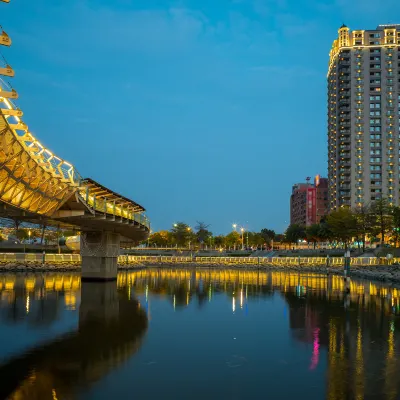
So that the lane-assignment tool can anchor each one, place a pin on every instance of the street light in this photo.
(242, 230)
(234, 226)
(189, 229)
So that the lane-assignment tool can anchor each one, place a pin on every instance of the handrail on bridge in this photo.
(104, 200)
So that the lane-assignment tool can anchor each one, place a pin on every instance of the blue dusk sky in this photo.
(203, 110)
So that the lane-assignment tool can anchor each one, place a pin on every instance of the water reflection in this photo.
(353, 336)
(110, 329)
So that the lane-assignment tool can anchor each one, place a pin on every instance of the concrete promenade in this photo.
(366, 268)
(57, 259)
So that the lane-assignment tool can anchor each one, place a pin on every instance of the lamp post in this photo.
(242, 230)
(189, 229)
(234, 226)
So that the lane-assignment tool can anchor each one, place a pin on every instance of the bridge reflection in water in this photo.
(111, 326)
(356, 334)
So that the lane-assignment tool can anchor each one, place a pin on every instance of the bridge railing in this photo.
(38, 257)
(105, 206)
(128, 259)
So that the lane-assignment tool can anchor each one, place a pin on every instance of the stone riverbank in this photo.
(388, 273)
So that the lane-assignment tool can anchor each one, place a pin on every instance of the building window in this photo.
(375, 105)
(375, 121)
(375, 137)
(375, 159)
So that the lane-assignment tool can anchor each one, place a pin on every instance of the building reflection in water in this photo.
(359, 331)
(355, 336)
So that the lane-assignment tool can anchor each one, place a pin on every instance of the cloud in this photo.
(285, 72)
(364, 6)
(292, 25)
(107, 30)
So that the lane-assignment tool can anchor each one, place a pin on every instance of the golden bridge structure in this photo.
(39, 187)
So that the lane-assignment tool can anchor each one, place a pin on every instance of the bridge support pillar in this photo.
(99, 302)
(99, 252)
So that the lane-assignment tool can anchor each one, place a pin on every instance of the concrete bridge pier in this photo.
(99, 302)
(99, 252)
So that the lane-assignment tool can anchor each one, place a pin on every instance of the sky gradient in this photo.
(200, 110)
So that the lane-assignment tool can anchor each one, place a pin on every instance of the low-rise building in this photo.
(309, 202)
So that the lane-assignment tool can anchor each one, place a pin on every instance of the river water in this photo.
(198, 334)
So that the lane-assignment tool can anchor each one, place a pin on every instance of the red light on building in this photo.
(308, 202)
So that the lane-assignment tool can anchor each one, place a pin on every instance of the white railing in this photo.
(128, 259)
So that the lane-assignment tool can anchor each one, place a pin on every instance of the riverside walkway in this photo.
(266, 261)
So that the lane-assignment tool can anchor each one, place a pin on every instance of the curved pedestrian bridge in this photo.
(40, 187)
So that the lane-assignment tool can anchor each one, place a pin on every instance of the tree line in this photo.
(182, 235)
(379, 222)
(41, 234)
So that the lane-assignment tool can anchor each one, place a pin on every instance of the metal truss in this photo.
(35, 180)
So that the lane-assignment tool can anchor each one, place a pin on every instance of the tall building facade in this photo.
(302, 204)
(309, 202)
(363, 116)
(321, 194)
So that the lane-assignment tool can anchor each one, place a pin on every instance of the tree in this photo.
(202, 232)
(256, 239)
(343, 225)
(233, 239)
(313, 233)
(268, 235)
(160, 239)
(181, 234)
(294, 233)
(325, 234)
(22, 234)
(43, 230)
(396, 225)
(280, 237)
(364, 222)
(69, 233)
(382, 218)
(219, 240)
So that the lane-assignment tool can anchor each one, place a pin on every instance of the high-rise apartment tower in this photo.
(363, 116)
